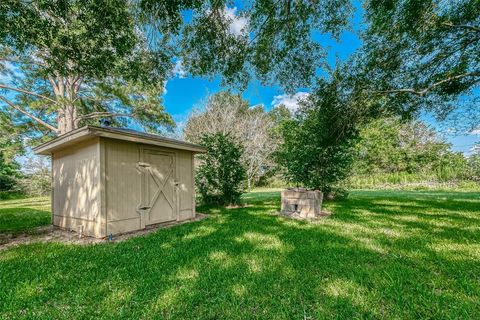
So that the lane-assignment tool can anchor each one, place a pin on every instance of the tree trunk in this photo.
(67, 119)
(66, 90)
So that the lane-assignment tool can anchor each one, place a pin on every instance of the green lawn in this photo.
(385, 254)
(23, 215)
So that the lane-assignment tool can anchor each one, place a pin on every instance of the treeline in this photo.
(250, 147)
(395, 152)
(33, 180)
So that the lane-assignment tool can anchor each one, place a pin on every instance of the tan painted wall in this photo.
(76, 188)
(123, 184)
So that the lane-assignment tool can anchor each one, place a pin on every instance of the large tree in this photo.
(67, 63)
(267, 39)
(317, 150)
(251, 127)
(73, 61)
(424, 55)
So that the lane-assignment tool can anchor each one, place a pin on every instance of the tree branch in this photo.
(462, 26)
(104, 114)
(2, 86)
(422, 92)
(31, 116)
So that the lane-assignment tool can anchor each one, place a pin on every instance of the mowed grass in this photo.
(410, 255)
(23, 215)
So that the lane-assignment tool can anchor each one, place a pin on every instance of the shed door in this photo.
(159, 186)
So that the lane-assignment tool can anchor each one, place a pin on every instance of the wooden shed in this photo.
(108, 181)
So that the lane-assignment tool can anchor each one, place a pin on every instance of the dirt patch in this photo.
(54, 234)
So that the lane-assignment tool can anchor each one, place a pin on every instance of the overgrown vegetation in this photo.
(397, 254)
(395, 152)
(220, 176)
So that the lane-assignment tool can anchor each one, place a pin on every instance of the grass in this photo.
(383, 254)
(23, 215)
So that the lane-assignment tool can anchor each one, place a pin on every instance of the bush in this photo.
(220, 176)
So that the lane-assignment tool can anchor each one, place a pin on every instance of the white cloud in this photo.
(165, 87)
(475, 131)
(475, 149)
(292, 102)
(238, 24)
(179, 70)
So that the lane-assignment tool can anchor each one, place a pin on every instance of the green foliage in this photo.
(8, 174)
(275, 44)
(69, 63)
(381, 255)
(391, 151)
(251, 127)
(221, 175)
(474, 166)
(318, 142)
(423, 55)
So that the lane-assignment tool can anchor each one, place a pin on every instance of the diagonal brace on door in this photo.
(161, 186)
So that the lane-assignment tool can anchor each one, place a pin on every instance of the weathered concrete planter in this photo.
(302, 203)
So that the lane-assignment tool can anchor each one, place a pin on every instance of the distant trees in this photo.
(474, 164)
(250, 127)
(390, 146)
(220, 175)
(9, 173)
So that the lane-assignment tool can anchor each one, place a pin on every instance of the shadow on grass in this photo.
(381, 255)
(22, 219)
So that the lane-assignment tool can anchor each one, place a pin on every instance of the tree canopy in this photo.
(65, 63)
(423, 55)
(270, 40)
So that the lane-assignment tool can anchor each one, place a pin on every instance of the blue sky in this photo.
(184, 93)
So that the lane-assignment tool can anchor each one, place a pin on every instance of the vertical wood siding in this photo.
(76, 183)
(122, 186)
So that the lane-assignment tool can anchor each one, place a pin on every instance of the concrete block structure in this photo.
(301, 203)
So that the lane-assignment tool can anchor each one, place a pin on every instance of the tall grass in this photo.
(444, 179)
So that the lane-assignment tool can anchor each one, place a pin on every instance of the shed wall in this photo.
(76, 188)
(123, 184)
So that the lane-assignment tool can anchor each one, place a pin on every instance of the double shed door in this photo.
(159, 186)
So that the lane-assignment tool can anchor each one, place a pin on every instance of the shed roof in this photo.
(87, 132)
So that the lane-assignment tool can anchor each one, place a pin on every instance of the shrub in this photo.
(220, 176)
